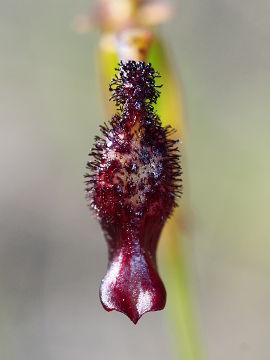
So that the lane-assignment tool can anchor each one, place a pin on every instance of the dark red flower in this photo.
(132, 187)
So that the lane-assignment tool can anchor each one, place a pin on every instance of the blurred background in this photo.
(52, 253)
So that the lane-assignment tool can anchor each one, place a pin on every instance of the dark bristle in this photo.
(135, 82)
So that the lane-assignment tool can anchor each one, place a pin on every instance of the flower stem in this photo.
(180, 299)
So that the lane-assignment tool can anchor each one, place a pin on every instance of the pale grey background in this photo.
(52, 253)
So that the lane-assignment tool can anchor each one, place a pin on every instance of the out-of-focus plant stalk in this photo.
(174, 260)
(126, 36)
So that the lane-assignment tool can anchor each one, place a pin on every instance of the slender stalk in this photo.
(173, 256)
(180, 298)
(170, 110)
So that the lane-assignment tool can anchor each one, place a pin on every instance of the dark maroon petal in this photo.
(132, 187)
(132, 284)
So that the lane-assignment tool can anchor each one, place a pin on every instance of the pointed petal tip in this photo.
(134, 308)
(132, 286)
(133, 317)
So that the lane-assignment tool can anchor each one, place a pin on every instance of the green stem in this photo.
(180, 303)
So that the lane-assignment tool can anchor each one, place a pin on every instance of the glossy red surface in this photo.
(132, 187)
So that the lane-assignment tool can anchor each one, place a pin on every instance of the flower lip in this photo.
(132, 286)
(133, 184)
